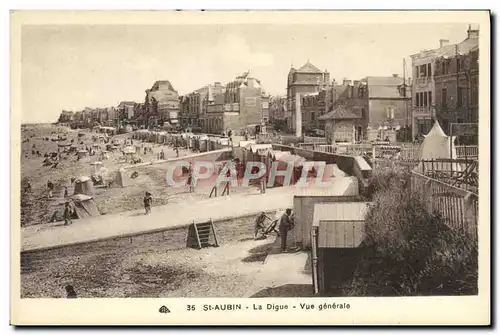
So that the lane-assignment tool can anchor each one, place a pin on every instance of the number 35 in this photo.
(191, 307)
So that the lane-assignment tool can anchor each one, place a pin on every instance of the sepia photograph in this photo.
(250, 160)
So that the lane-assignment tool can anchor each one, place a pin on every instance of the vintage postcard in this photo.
(250, 168)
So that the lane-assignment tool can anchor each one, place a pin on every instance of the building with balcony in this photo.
(307, 80)
(239, 106)
(424, 67)
(193, 106)
(456, 81)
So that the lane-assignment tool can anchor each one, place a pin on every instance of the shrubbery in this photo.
(409, 249)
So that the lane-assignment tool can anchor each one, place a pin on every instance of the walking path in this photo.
(103, 227)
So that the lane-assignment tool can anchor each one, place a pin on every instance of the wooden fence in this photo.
(459, 208)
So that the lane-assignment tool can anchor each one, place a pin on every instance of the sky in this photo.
(73, 66)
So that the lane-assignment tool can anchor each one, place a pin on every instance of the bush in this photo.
(409, 250)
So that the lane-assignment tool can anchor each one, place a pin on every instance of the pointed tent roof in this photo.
(309, 68)
(436, 145)
(436, 130)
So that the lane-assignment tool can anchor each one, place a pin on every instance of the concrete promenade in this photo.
(47, 236)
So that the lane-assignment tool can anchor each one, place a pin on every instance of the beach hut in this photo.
(84, 206)
(129, 152)
(84, 185)
(82, 154)
(96, 167)
(337, 236)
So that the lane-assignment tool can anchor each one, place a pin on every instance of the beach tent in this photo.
(437, 145)
(84, 185)
(129, 152)
(84, 206)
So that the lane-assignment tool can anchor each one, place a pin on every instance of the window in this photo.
(459, 96)
(363, 112)
(423, 71)
(390, 112)
(429, 70)
(430, 98)
(417, 103)
(425, 99)
(444, 98)
(362, 91)
(417, 70)
(313, 116)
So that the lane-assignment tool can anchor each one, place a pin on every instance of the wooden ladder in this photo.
(202, 232)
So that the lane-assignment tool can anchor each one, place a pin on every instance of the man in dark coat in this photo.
(67, 214)
(148, 201)
(70, 292)
(285, 224)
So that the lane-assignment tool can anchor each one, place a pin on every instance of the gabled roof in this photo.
(385, 87)
(309, 68)
(340, 113)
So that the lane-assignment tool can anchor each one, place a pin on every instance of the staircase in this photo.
(204, 235)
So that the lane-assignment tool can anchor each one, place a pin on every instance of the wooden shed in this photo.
(337, 234)
(342, 190)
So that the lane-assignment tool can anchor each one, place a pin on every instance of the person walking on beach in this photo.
(148, 201)
(50, 188)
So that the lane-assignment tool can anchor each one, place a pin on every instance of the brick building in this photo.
(193, 106)
(372, 103)
(426, 65)
(277, 107)
(456, 81)
(307, 80)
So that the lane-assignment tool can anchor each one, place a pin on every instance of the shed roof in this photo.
(340, 211)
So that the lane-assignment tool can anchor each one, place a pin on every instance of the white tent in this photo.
(436, 145)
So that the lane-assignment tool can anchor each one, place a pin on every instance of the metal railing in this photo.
(459, 208)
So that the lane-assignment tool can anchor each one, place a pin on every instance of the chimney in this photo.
(395, 75)
(443, 43)
(345, 82)
(356, 83)
(472, 33)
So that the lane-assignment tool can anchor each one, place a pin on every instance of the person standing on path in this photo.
(285, 225)
(148, 201)
(67, 214)
(66, 191)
